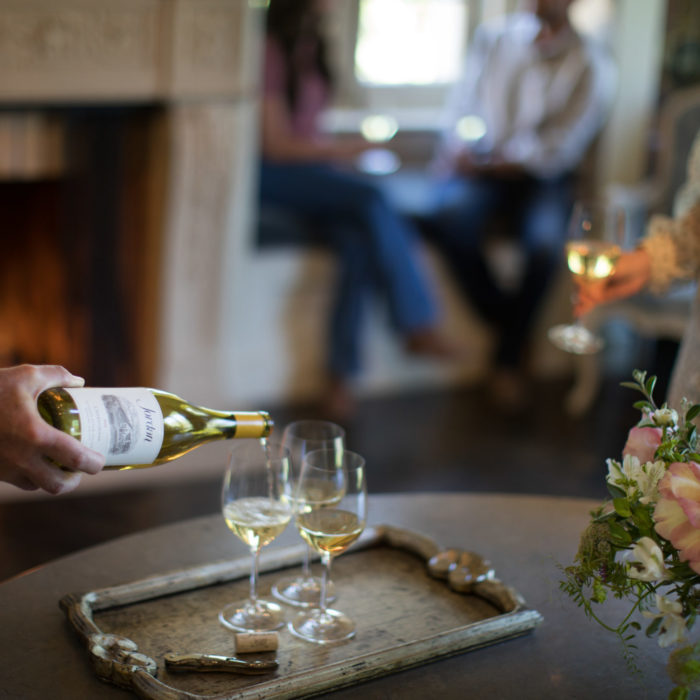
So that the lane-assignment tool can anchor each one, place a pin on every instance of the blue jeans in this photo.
(536, 213)
(374, 245)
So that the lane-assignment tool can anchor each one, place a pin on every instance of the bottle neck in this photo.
(242, 424)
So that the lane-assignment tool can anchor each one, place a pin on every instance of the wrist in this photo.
(642, 262)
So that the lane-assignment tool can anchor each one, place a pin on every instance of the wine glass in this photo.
(301, 437)
(330, 529)
(256, 506)
(595, 241)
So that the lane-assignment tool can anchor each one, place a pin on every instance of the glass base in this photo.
(261, 616)
(576, 339)
(328, 627)
(303, 592)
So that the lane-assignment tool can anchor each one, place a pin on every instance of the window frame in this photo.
(353, 96)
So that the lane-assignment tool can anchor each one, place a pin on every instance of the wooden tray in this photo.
(404, 617)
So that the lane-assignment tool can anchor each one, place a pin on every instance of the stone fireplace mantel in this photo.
(133, 50)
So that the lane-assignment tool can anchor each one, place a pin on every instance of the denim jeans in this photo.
(374, 244)
(536, 213)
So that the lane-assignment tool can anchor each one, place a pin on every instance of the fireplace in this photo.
(79, 271)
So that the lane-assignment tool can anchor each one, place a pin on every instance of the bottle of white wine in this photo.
(139, 427)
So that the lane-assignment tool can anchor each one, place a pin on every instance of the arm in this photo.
(583, 90)
(670, 250)
(281, 144)
(28, 443)
(673, 244)
(280, 141)
(453, 154)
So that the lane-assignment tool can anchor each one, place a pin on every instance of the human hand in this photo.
(631, 275)
(28, 444)
(348, 149)
(468, 163)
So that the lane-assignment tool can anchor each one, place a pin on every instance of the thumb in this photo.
(48, 376)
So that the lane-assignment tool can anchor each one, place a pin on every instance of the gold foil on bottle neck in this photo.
(253, 425)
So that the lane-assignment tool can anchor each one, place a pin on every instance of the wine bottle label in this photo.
(125, 425)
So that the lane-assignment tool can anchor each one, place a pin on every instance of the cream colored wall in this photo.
(637, 40)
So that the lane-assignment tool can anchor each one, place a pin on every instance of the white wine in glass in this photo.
(594, 244)
(329, 529)
(301, 437)
(256, 507)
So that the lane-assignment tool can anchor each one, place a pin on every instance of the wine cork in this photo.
(249, 642)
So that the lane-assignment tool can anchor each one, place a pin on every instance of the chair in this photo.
(656, 317)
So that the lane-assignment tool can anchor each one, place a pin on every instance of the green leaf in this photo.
(693, 411)
(649, 386)
(616, 491)
(622, 507)
(653, 628)
(620, 536)
(641, 405)
(679, 693)
(630, 385)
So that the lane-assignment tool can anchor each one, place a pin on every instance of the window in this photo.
(424, 45)
(396, 56)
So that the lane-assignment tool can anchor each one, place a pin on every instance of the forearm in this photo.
(673, 246)
(293, 150)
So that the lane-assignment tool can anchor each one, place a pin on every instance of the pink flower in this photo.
(677, 512)
(642, 443)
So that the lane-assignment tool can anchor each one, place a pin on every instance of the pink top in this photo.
(312, 95)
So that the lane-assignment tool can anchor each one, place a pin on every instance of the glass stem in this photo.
(306, 566)
(254, 577)
(326, 558)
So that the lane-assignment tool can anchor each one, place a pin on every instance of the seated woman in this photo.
(312, 176)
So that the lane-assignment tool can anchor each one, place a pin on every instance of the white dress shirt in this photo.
(538, 107)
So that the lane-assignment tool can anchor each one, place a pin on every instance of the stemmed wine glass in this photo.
(596, 237)
(330, 529)
(256, 506)
(301, 437)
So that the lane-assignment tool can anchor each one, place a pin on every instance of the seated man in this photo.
(532, 98)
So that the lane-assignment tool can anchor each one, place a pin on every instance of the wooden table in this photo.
(523, 536)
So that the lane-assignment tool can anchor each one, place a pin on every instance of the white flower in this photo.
(673, 627)
(646, 476)
(646, 561)
(665, 417)
(615, 476)
(635, 478)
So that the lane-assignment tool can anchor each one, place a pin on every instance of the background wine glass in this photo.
(301, 437)
(596, 237)
(256, 506)
(329, 530)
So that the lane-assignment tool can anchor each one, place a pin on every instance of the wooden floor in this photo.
(438, 441)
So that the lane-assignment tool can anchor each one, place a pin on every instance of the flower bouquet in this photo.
(643, 544)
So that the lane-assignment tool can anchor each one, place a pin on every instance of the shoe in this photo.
(507, 389)
(427, 342)
(339, 403)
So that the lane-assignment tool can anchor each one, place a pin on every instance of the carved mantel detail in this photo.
(95, 50)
